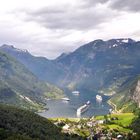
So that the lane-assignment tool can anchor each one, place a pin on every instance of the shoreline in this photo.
(114, 107)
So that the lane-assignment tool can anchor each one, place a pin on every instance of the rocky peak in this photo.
(122, 40)
(8, 48)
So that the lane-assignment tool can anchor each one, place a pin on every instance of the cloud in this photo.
(93, 2)
(79, 17)
(127, 5)
(49, 28)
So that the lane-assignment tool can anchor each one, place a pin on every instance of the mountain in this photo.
(43, 68)
(128, 97)
(21, 87)
(101, 66)
(19, 124)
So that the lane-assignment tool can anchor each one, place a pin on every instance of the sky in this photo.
(51, 27)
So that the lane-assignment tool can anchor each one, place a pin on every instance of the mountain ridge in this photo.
(87, 63)
(89, 56)
(37, 65)
(21, 87)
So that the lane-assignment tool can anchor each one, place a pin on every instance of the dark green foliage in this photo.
(136, 126)
(17, 124)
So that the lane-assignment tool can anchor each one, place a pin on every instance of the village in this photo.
(107, 127)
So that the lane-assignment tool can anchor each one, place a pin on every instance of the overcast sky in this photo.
(51, 27)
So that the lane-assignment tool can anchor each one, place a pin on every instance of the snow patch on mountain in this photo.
(125, 40)
(21, 50)
(115, 45)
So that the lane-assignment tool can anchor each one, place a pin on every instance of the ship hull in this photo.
(83, 108)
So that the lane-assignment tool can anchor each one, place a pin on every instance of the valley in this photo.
(68, 109)
(90, 67)
(70, 70)
(104, 68)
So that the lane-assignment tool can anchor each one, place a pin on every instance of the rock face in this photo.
(128, 97)
(136, 95)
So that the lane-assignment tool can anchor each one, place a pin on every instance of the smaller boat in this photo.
(77, 93)
(66, 99)
(88, 103)
(98, 97)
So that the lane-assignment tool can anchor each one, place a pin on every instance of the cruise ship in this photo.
(83, 108)
(98, 97)
(77, 93)
(66, 99)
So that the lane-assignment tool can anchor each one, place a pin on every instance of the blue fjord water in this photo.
(60, 108)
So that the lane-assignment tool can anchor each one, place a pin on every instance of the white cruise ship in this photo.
(77, 93)
(83, 108)
(66, 99)
(98, 97)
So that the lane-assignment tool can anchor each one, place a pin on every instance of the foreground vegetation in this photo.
(17, 124)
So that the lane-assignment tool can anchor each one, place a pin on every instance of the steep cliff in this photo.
(136, 95)
(128, 98)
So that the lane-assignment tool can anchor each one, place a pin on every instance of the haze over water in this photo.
(60, 108)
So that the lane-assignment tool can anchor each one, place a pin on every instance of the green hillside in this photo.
(124, 100)
(17, 124)
(20, 87)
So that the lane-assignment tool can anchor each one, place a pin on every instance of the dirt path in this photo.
(114, 107)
